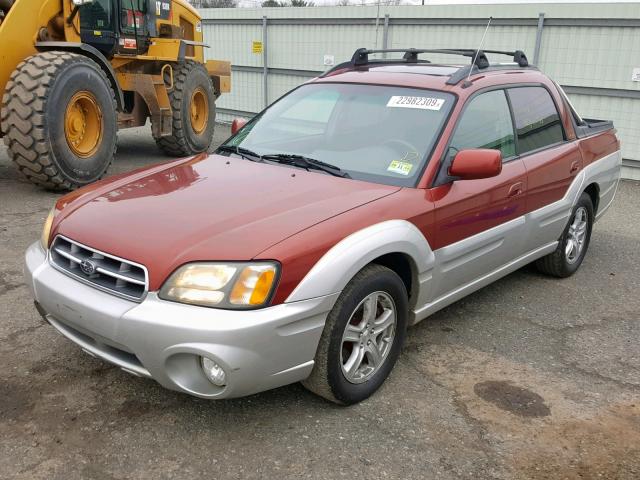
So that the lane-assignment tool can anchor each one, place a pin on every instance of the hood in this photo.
(208, 208)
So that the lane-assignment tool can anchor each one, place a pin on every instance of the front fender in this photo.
(341, 263)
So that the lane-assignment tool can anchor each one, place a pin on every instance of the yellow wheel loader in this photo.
(73, 72)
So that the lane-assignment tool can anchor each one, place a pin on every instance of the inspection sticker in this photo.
(403, 168)
(424, 103)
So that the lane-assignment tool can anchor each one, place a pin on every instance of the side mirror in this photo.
(237, 124)
(477, 163)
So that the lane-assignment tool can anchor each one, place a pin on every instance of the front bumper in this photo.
(258, 349)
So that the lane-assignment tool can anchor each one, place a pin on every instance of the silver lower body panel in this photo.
(259, 349)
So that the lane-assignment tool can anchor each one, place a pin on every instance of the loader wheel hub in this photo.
(83, 124)
(199, 107)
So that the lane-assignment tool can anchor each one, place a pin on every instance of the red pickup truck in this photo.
(355, 206)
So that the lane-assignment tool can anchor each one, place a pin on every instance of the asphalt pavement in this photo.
(529, 378)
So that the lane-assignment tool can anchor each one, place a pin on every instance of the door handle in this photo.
(515, 190)
(575, 166)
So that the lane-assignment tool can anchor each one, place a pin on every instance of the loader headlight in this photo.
(46, 229)
(222, 285)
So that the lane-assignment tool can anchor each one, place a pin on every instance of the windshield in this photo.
(374, 133)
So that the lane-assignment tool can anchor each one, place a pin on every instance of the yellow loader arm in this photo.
(21, 27)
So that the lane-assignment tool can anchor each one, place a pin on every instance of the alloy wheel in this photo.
(368, 337)
(577, 235)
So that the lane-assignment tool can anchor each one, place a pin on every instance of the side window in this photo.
(132, 18)
(486, 123)
(538, 124)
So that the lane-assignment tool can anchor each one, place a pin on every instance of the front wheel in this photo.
(362, 338)
(59, 120)
(573, 244)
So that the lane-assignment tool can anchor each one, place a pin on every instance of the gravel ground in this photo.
(528, 378)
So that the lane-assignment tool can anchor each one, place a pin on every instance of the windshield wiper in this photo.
(243, 152)
(306, 163)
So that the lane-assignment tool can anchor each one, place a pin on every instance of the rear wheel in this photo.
(362, 338)
(59, 120)
(193, 104)
(573, 244)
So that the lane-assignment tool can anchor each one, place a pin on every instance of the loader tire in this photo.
(192, 101)
(59, 120)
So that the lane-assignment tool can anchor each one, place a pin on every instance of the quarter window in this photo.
(538, 124)
(485, 123)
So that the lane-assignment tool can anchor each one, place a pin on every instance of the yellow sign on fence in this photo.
(257, 47)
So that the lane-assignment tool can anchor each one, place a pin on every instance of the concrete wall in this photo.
(590, 48)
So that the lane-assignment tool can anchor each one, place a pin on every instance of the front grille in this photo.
(101, 270)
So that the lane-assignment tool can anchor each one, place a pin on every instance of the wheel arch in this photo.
(593, 190)
(92, 53)
(405, 267)
(396, 244)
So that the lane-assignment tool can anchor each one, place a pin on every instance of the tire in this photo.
(328, 377)
(185, 140)
(561, 263)
(35, 106)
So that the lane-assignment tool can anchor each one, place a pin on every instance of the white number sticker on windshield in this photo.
(424, 103)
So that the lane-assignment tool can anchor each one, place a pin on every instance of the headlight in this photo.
(46, 229)
(222, 285)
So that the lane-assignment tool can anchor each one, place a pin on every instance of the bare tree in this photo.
(343, 3)
(216, 3)
(283, 3)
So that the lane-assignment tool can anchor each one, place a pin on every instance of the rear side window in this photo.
(485, 123)
(537, 120)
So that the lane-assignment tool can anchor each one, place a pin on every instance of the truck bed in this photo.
(590, 126)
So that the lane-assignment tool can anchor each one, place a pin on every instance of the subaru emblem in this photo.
(88, 267)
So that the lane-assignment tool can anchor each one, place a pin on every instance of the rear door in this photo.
(551, 161)
(479, 223)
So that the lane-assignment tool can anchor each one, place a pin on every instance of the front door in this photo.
(479, 223)
(98, 25)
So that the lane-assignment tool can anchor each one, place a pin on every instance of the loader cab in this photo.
(119, 26)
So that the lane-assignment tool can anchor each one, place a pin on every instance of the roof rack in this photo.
(479, 60)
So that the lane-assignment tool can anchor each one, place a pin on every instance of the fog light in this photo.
(214, 372)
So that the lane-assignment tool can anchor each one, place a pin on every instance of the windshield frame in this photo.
(425, 160)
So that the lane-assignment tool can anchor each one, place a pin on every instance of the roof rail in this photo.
(479, 60)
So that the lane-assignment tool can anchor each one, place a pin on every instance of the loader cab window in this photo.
(97, 15)
(133, 17)
(97, 25)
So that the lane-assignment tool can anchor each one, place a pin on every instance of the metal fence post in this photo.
(385, 33)
(265, 66)
(536, 50)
